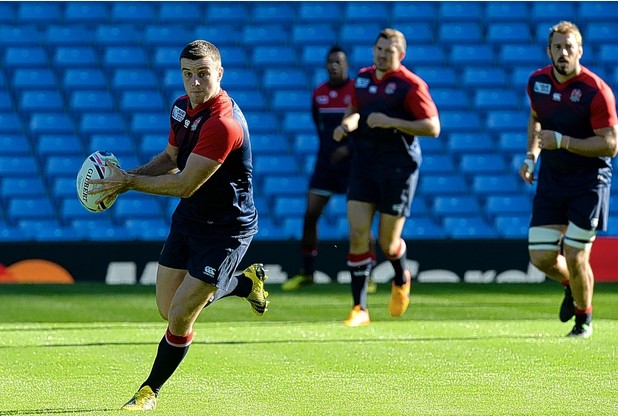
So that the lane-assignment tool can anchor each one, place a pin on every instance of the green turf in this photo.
(460, 350)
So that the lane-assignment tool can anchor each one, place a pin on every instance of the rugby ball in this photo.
(94, 167)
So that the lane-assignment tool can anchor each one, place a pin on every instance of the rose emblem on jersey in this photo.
(390, 88)
(576, 95)
(195, 124)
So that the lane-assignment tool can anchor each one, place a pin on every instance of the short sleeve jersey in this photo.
(217, 130)
(575, 108)
(328, 105)
(401, 94)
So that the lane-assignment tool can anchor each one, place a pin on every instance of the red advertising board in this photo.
(604, 259)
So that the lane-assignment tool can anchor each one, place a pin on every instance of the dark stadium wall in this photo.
(450, 261)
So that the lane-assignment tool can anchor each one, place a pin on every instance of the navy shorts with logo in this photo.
(212, 257)
(588, 209)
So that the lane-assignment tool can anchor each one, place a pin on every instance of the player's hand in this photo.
(339, 133)
(526, 171)
(547, 140)
(116, 183)
(379, 120)
(340, 153)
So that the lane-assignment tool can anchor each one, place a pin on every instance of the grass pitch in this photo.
(459, 350)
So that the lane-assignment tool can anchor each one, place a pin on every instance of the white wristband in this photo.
(530, 163)
(558, 137)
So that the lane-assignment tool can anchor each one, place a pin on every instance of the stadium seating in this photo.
(80, 76)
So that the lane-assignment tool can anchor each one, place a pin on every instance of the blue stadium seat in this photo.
(59, 144)
(320, 12)
(422, 228)
(608, 53)
(168, 34)
(520, 76)
(71, 209)
(20, 35)
(134, 12)
(497, 99)
(499, 120)
(284, 185)
(438, 76)
(363, 33)
(548, 10)
(513, 226)
(136, 207)
(597, 11)
(11, 123)
(41, 101)
(30, 207)
(238, 78)
(55, 123)
(152, 144)
(150, 123)
(124, 56)
(13, 234)
(60, 233)
(508, 32)
(106, 233)
(117, 35)
(26, 78)
(269, 230)
(22, 166)
(484, 77)
(62, 165)
(155, 229)
(76, 57)
(522, 54)
(450, 98)
(101, 123)
(64, 187)
(308, 164)
(418, 32)
(298, 122)
(249, 99)
(460, 32)
(460, 120)
(431, 145)
(219, 34)
(415, 11)
(167, 57)
(359, 56)
(337, 207)
(120, 145)
(510, 142)
(282, 78)
(294, 100)
(600, 32)
(39, 12)
(315, 55)
(138, 79)
(456, 205)
(87, 12)
(34, 227)
(442, 184)
(496, 183)
(262, 122)
(91, 101)
(437, 164)
(469, 228)
(32, 56)
(69, 35)
(476, 142)
(266, 12)
(14, 145)
(366, 11)
(305, 144)
(275, 165)
(21, 187)
(264, 34)
(142, 101)
(472, 55)
(313, 34)
(269, 144)
(477, 163)
(462, 10)
(420, 206)
(84, 78)
(289, 206)
(233, 12)
(8, 13)
(191, 12)
(236, 56)
(506, 11)
(339, 230)
(511, 204)
(430, 54)
(269, 56)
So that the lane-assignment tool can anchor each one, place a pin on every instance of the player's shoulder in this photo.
(590, 78)
(541, 72)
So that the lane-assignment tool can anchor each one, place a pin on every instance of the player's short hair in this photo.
(336, 49)
(199, 49)
(393, 34)
(565, 28)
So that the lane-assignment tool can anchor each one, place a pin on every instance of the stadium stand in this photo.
(81, 76)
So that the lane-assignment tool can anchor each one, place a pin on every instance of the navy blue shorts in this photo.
(327, 181)
(587, 209)
(209, 256)
(390, 190)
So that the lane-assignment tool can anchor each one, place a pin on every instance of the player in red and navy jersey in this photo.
(573, 129)
(391, 106)
(208, 164)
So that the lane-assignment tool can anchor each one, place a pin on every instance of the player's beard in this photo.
(564, 68)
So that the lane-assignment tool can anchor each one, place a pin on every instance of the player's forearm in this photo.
(159, 165)
(166, 184)
(427, 127)
(532, 148)
(596, 146)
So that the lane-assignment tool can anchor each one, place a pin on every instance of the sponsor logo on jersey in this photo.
(361, 83)
(576, 95)
(187, 122)
(321, 99)
(333, 94)
(556, 96)
(391, 87)
(209, 271)
(542, 88)
(373, 89)
(178, 114)
(195, 124)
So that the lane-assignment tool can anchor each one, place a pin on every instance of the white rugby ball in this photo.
(94, 168)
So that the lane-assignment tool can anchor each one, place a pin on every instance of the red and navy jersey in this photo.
(401, 94)
(217, 130)
(574, 108)
(328, 105)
